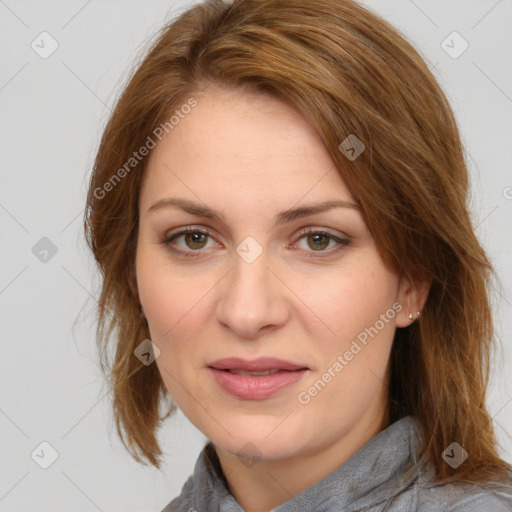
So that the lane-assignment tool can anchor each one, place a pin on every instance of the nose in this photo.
(252, 298)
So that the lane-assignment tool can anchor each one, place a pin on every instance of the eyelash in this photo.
(197, 253)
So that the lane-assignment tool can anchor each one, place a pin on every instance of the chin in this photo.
(258, 438)
(259, 449)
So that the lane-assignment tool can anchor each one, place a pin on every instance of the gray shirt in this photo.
(385, 475)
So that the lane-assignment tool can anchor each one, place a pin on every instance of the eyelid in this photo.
(321, 230)
(208, 231)
(174, 233)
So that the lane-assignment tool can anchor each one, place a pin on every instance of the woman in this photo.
(278, 209)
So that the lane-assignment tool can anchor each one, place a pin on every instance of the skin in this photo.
(304, 299)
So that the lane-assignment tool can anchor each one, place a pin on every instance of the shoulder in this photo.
(483, 502)
(464, 497)
(417, 490)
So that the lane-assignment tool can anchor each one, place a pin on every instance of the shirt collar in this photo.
(379, 470)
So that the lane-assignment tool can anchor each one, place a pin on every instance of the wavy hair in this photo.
(348, 72)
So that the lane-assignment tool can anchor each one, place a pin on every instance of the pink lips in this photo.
(255, 387)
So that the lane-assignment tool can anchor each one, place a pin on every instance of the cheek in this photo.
(352, 362)
(175, 304)
(162, 293)
(345, 305)
(171, 307)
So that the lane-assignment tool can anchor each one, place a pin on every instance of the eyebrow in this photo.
(280, 218)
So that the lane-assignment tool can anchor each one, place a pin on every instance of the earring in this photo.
(411, 316)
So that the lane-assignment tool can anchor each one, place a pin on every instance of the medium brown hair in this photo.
(348, 72)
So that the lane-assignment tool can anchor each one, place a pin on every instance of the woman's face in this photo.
(248, 283)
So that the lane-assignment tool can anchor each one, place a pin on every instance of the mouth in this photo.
(255, 379)
(255, 366)
(255, 374)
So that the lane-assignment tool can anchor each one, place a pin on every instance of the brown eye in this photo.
(195, 240)
(318, 241)
(321, 242)
(188, 242)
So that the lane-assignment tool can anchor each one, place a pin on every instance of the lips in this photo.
(255, 365)
(255, 379)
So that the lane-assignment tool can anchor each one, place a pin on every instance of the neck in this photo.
(270, 483)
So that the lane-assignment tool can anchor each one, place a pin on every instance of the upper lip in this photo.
(255, 365)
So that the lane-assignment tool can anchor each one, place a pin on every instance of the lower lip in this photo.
(256, 387)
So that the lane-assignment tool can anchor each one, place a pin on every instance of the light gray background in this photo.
(52, 114)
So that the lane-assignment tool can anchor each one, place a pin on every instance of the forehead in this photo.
(234, 145)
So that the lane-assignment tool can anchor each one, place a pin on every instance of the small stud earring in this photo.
(411, 316)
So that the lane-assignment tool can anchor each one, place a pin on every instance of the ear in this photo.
(412, 297)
